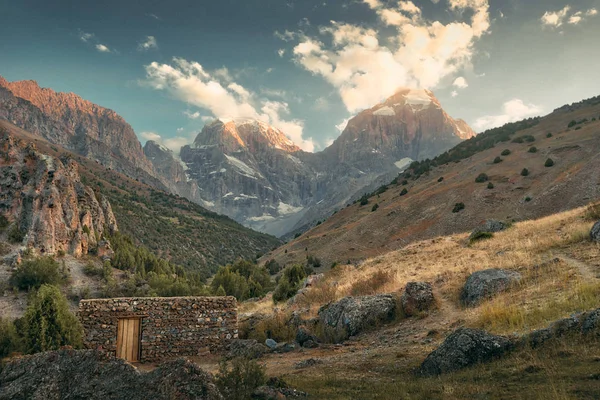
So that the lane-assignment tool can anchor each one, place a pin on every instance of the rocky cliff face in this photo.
(253, 173)
(76, 124)
(45, 202)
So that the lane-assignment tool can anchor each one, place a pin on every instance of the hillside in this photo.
(171, 226)
(390, 219)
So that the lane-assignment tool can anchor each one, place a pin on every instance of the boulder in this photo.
(248, 348)
(491, 225)
(271, 343)
(284, 348)
(352, 315)
(595, 232)
(591, 323)
(307, 363)
(417, 297)
(303, 335)
(463, 348)
(487, 283)
(87, 374)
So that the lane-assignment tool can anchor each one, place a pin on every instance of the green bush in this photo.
(10, 342)
(15, 235)
(490, 185)
(505, 152)
(32, 274)
(497, 160)
(403, 192)
(524, 172)
(364, 200)
(289, 282)
(527, 199)
(242, 279)
(572, 124)
(239, 378)
(441, 178)
(549, 163)
(548, 135)
(532, 149)
(481, 178)
(375, 207)
(3, 222)
(273, 267)
(48, 323)
(458, 207)
(481, 236)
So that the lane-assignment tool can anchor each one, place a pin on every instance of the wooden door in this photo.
(128, 339)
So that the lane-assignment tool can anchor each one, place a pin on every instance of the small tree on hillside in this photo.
(549, 163)
(48, 322)
(481, 178)
(524, 172)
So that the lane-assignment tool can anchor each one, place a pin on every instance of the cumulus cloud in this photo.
(555, 19)
(418, 53)
(172, 143)
(281, 52)
(454, 93)
(513, 110)
(460, 83)
(189, 82)
(192, 115)
(102, 48)
(148, 44)
(85, 36)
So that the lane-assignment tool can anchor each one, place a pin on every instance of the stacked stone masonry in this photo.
(170, 326)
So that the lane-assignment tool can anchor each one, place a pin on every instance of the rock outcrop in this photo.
(595, 232)
(463, 348)
(417, 297)
(352, 315)
(49, 209)
(487, 283)
(86, 374)
(490, 226)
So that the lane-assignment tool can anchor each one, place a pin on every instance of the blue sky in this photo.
(304, 66)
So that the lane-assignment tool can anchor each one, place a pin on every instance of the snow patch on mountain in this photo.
(385, 111)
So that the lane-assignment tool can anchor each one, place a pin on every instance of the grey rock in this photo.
(487, 283)
(248, 348)
(352, 315)
(271, 343)
(303, 335)
(491, 225)
(284, 348)
(417, 297)
(307, 363)
(463, 348)
(591, 323)
(87, 374)
(595, 232)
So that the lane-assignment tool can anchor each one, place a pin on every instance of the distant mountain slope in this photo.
(570, 137)
(252, 172)
(171, 226)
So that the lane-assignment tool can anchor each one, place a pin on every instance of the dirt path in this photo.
(586, 271)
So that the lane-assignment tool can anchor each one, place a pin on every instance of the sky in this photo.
(304, 66)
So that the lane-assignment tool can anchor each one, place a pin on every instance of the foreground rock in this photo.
(247, 348)
(463, 348)
(86, 374)
(595, 232)
(352, 315)
(490, 226)
(587, 323)
(487, 283)
(417, 297)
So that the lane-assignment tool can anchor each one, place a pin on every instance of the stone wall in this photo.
(171, 326)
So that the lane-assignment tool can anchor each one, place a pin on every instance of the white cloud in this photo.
(85, 37)
(192, 115)
(420, 52)
(150, 136)
(513, 110)
(342, 125)
(555, 19)
(322, 104)
(148, 44)
(281, 52)
(454, 93)
(173, 143)
(191, 83)
(460, 83)
(102, 48)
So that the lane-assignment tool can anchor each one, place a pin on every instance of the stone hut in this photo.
(142, 329)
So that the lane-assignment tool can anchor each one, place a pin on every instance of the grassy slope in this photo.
(171, 226)
(379, 364)
(356, 233)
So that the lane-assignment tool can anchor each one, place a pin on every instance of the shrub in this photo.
(529, 138)
(532, 149)
(497, 160)
(577, 128)
(527, 199)
(10, 342)
(490, 185)
(572, 124)
(441, 178)
(548, 135)
(403, 192)
(458, 207)
(518, 140)
(90, 269)
(239, 378)
(15, 235)
(549, 163)
(3, 222)
(364, 200)
(481, 236)
(289, 283)
(404, 182)
(505, 152)
(311, 263)
(524, 172)
(375, 207)
(273, 267)
(242, 279)
(35, 273)
(481, 178)
(48, 323)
